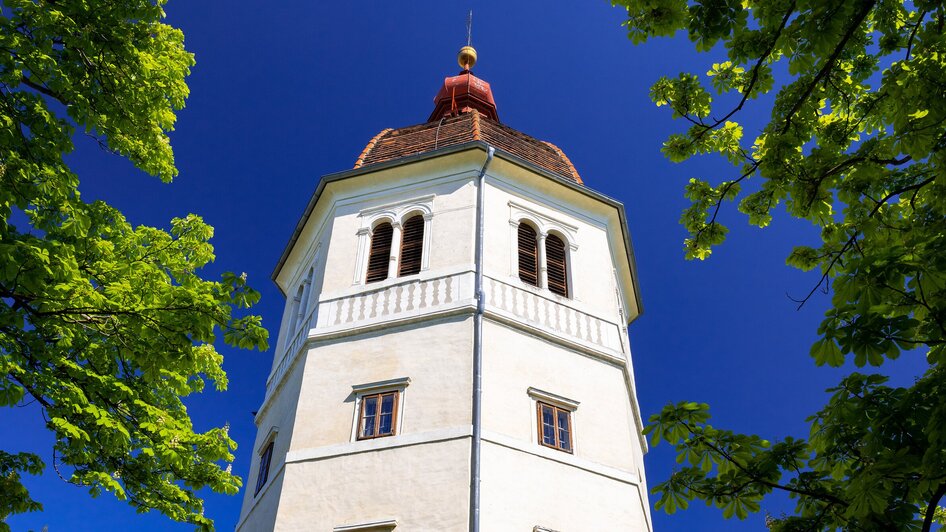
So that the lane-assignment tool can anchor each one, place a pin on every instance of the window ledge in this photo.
(373, 526)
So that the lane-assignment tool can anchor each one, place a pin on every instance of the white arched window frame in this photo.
(395, 214)
(544, 226)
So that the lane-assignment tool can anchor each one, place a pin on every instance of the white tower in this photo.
(453, 354)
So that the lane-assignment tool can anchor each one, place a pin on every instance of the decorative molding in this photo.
(543, 223)
(613, 473)
(377, 444)
(553, 399)
(386, 524)
(394, 212)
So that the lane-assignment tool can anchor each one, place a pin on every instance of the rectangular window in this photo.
(554, 427)
(265, 458)
(378, 416)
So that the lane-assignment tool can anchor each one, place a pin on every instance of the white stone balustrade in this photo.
(546, 313)
(397, 300)
(403, 300)
(417, 297)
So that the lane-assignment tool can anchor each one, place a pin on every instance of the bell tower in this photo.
(453, 355)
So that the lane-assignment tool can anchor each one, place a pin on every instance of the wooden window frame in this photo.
(360, 434)
(265, 461)
(555, 411)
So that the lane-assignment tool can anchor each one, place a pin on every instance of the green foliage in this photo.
(856, 145)
(875, 457)
(105, 325)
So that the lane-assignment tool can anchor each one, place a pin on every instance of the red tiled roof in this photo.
(470, 126)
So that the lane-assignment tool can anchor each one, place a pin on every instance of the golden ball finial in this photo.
(466, 57)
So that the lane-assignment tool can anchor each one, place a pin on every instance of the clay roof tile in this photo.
(470, 126)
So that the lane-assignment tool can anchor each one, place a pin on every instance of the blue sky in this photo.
(287, 92)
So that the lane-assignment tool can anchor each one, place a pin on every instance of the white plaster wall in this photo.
(424, 487)
(281, 415)
(569, 203)
(263, 515)
(436, 356)
(604, 430)
(329, 239)
(592, 286)
(521, 490)
(334, 220)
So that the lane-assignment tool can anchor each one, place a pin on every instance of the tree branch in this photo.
(753, 79)
(913, 33)
(931, 507)
(827, 497)
(829, 63)
(853, 238)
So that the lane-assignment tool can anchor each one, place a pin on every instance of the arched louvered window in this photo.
(412, 246)
(528, 255)
(380, 254)
(298, 308)
(555, 262)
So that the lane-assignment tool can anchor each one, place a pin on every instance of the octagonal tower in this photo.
(453, 355)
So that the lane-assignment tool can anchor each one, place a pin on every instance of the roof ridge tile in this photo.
(364, 153)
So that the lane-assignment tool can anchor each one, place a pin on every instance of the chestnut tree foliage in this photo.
(105, 326)
(856, 145)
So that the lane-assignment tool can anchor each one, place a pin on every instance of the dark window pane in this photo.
(548, 425)
(385, 424)
(564, 436)
(371, 405)
(264, 460)
(370, 411)
(387, 403)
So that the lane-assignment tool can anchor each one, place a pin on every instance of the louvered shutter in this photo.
(555, 260)
(412, 246)
(528, 255)
(380, 253)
